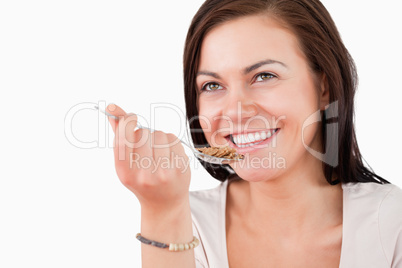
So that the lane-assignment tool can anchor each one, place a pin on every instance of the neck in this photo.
(295, 203)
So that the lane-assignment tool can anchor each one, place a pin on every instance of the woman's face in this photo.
(256, 92)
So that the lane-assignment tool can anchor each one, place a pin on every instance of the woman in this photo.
(273, 80)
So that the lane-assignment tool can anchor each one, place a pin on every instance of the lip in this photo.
(252, 148)
(246, 132)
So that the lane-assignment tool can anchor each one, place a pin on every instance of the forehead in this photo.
(242, 41)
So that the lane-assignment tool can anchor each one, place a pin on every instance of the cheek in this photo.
(293, 107)
(207, 113)
(303, 116)
(298, 101)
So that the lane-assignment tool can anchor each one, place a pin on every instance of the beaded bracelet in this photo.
(171, 246)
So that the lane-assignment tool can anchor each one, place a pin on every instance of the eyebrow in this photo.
(261, 63)
(247, 69)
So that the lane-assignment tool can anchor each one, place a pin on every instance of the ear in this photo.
(324, 92)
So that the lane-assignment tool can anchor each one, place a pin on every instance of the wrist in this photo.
(168, 224)
(167, 214)
(166, 209)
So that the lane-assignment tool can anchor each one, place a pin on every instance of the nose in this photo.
(239, 106)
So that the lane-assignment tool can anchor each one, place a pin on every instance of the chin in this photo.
(256, 174)
(256, 168)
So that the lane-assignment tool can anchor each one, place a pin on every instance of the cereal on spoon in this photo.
(223, 152)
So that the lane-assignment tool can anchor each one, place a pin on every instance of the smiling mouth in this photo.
(251, 139)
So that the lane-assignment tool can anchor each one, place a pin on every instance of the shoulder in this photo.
(385, 196)
(361, 188)
(390, 225)
(384, 199)
(208, 193)
(207, 202)
(373, 212)
(208, 216)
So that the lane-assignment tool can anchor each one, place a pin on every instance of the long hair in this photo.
(326, 54)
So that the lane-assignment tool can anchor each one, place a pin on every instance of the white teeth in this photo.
(249, 144)
(250, 139)
(269, 134)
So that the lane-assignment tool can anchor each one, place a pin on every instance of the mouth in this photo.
(245, 140)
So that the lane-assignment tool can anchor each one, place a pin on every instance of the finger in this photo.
(178, 156)
(125, 137)
(143, 142)
(143, 150)
(160, 146)
(175, 146)
(115, 110)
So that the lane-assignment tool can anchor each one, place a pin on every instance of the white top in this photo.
(372, 226)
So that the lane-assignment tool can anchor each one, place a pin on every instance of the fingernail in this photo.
(111, 107)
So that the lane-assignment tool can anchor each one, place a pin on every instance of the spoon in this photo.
(205, 157)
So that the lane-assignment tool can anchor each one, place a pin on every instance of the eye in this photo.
(211, 87)
(264, 77)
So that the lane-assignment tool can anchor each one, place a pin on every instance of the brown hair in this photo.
(322, 45)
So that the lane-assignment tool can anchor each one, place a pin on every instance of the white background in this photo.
(63, 206)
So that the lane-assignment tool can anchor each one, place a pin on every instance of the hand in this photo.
(151, 165)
